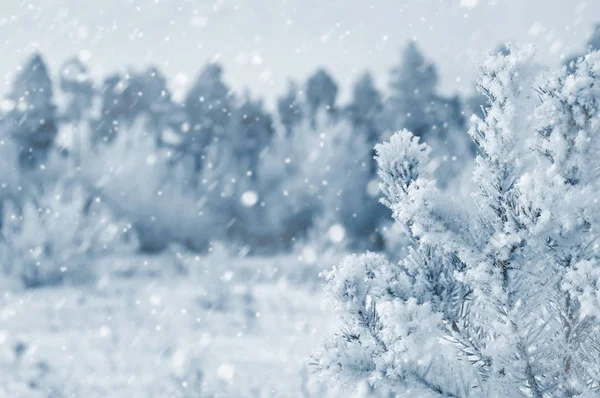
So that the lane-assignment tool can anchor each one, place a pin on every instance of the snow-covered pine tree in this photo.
(80, 92)
(412, 99)
(365, 109)
(32, 119)
(250, 132)
(77, 84)
(289, 108)
(320, 93)
(155, 101)
(118, 108)
(127, 97)
(499, 298)
(208, 105)
(560, 202)
(415, 104)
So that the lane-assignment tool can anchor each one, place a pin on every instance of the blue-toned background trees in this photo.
(220, 165)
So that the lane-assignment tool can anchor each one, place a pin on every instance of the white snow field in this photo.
(198, 327)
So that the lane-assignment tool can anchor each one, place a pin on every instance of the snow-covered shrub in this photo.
(230, 286)
(56, 237)
(141, 184)
(497, 298)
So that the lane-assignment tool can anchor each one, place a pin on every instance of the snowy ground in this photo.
(146, 329)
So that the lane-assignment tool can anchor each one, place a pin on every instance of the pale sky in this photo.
(262, 43)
